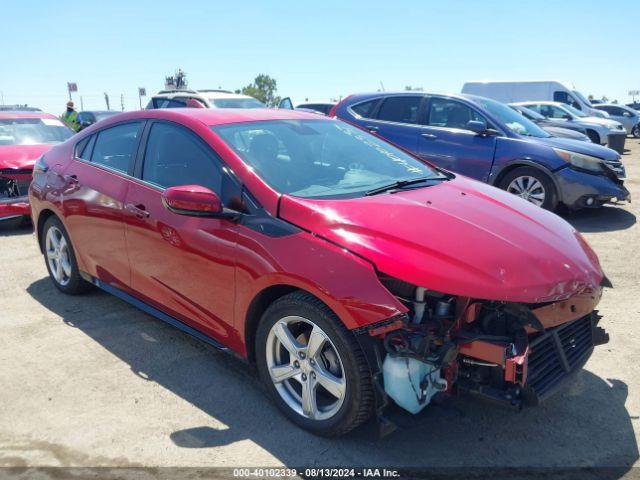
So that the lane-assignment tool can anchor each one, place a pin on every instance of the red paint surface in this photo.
(460, 237)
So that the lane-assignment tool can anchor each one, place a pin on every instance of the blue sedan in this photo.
(488, 141)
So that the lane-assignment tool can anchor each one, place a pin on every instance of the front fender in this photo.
(345, 282)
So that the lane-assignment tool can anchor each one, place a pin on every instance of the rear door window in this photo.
(114, 147)
(400, 109)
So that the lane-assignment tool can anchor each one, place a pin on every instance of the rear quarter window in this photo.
(365, 109)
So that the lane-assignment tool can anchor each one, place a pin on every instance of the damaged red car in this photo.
(24, 136)
(352, 274)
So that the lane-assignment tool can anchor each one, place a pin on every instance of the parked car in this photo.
(316, 107)
(87, 118)
(602, 131)
(488, 141)
(634, 105)
(350, 272)
(550, 91)
(24, 136)
(553, 128)
(181, 98)
(628, 117)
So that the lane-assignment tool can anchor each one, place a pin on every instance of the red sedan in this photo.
(351, 273)
(24, 136)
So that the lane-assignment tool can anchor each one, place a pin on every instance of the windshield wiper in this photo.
(402, 184)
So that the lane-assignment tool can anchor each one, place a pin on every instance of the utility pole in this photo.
(122, 101)
(106, 100)
(81, 103)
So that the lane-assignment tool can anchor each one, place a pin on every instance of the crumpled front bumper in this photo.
(577, 188)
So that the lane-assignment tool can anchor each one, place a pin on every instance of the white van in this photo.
(547, 91)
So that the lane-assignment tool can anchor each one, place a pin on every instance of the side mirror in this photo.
(86, 123)
(626, 114)
(195, 200)
(477, 126)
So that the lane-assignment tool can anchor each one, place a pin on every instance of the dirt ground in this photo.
(92, 381)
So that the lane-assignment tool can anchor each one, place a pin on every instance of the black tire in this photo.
(635, 131)
(76, 284)
(593, 136)
(358, 403)
(551, 195)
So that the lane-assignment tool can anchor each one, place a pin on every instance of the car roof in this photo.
(202, 93)
(215, 116)
(8, 114)
(114, 112)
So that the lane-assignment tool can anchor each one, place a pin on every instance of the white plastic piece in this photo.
(403, 377)
(419, 304)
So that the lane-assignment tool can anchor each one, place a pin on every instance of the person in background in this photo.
(70, 117)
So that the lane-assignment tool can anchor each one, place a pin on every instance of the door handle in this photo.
(372, 128)
(428, 136)
(138, 211)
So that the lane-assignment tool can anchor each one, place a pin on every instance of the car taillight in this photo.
(40, 166)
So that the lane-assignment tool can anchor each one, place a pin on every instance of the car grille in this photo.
(556, 354)
(11, 189)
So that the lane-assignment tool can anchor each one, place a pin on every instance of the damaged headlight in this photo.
(580, 160)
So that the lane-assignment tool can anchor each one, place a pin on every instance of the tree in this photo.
(263, 88)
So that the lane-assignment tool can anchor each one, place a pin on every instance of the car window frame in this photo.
(227, 173)
(92, 141)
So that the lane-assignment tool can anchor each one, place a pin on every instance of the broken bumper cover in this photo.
(14, 187)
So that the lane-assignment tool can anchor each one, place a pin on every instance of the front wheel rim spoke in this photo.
(286, 338)
(280, 373)
(309, 406)
(332, 384)
(317, 339)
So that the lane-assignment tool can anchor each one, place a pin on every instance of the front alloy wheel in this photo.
(636, 131)
(305, 368)
(312, 366)
(528, 188)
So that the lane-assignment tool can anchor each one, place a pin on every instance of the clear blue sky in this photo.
(316, 49)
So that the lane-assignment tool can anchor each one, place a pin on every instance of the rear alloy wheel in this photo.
(60, 258)
(532, 185)
(312, 366)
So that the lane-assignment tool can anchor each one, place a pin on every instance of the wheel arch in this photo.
(259, 305)
(499, 176)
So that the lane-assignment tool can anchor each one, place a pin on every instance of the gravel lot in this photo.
(91, 381)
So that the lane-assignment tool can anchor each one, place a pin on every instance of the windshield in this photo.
(236, 103)
(528, 113)
(32, 131)
(574, 111)
(320, 158)
(582, 98)
(512, 119)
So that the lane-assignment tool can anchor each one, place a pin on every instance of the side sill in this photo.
(160, 315)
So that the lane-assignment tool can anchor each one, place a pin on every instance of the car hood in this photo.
(564, 133)
(579, 146)
(21, 156)
(599, 121)
(459, 237)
